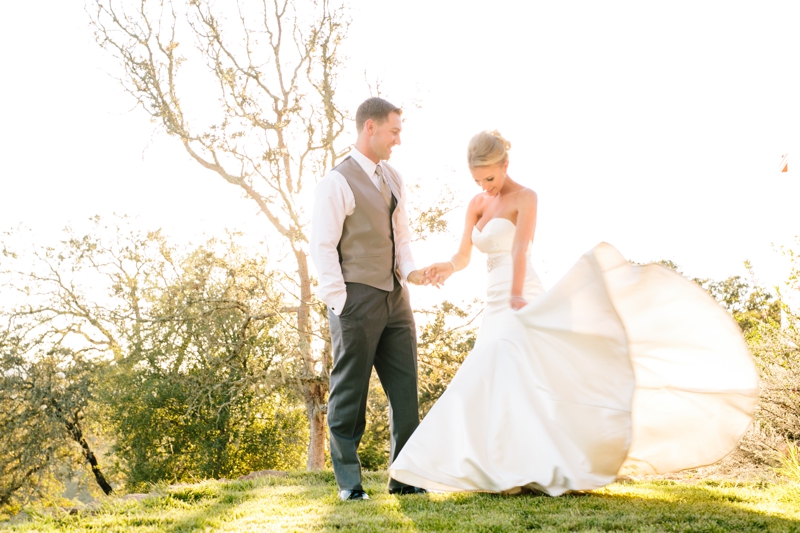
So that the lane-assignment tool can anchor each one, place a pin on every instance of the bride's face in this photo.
(491, 178)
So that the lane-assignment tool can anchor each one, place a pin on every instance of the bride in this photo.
(616, 369)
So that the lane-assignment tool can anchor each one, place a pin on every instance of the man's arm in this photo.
(333, 201)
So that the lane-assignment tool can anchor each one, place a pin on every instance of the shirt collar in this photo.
(366, 163)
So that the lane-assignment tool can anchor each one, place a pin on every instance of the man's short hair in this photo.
(376, 109)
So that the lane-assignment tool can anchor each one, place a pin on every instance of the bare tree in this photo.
(262, 115)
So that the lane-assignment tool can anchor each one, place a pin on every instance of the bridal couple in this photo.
(616, 369)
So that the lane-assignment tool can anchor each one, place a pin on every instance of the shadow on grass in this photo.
(220, 508)
(198, 507)
(178, 509)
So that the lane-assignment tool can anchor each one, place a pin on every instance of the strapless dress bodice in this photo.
(496, 240)
(497, 236)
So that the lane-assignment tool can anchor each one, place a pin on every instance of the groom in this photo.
(360, 244)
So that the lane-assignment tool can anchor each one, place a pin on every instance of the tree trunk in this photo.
(75, 431)
(91, 459)
(98, 475)
(315, 381)
(316, 409)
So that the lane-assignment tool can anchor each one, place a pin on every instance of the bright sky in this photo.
(657, 127)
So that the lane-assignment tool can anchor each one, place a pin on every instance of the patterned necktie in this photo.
(386, 192)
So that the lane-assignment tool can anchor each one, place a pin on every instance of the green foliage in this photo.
(159, 438)
(746, 300)
(181, 358)
(203, 392)
(749, 303)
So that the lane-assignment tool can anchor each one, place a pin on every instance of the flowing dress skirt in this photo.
(617, 369)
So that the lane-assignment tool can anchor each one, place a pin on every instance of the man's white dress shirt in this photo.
(333, 202)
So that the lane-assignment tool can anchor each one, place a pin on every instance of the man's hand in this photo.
(417, 277)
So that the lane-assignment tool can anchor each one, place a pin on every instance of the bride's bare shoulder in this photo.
(477, 202)
(479, 198)
(528, 195)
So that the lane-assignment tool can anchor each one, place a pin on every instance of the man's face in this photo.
(385, 136)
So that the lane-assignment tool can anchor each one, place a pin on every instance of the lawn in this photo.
(305, 501)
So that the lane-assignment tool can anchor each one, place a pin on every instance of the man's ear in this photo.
(369, 127)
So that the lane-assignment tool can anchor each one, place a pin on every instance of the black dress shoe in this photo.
(346, 495)
(408, 490)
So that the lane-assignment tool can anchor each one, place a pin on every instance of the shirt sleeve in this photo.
(333, 202)
(402, 232)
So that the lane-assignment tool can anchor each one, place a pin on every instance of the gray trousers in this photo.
(376, 328)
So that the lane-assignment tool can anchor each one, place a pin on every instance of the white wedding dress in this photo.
(616, 369)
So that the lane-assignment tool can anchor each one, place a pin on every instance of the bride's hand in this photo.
(437, 273)
(518, 302)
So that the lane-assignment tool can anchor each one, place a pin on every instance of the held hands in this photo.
(418, 277)
(437, 273)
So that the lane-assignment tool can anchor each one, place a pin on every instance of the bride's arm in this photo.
(438, 272)
(523, 236)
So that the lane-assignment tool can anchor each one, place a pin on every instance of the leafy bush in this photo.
(178, 358)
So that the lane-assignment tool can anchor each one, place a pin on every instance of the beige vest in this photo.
(366, 249)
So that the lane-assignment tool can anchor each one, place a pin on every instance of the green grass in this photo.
(307, 502)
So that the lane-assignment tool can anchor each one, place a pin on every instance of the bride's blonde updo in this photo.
(487, 148)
